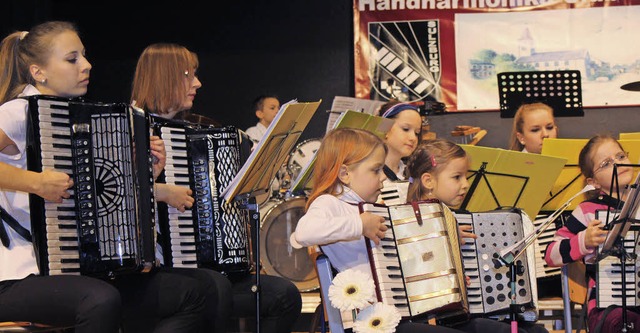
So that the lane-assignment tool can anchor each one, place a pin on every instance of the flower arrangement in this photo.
(354, 291)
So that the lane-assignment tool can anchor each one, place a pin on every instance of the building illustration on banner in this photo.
(575, 39)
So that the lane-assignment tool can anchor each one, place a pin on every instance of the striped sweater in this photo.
(568, 244)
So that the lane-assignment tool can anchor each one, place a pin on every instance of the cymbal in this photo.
(632, 86)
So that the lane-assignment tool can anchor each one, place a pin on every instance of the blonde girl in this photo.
(438, 169)
(532, 123)
(402, 138)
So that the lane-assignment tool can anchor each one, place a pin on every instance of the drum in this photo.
(278, 220)
(301, 155)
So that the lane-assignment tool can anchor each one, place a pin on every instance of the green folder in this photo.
(350, 119)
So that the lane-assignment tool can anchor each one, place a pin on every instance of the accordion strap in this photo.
(5, 217)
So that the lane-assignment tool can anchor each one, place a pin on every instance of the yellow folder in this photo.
(507, 178)
(570, 181)
(630, 136)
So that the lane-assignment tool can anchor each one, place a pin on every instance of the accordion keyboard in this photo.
(181, 228)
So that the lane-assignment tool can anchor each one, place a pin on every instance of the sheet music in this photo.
(273, 149)
(342, 104)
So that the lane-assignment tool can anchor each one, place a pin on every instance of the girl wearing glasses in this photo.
(582, 233)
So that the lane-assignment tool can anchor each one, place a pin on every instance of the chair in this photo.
(574, 291)
(330, 315)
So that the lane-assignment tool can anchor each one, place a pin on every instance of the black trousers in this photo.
(164, 300)
(280, 302)
(89, 304)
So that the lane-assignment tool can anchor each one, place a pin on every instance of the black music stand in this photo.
(262, 165)
(509, 255)
(506, 178)
(618, 228)
(561, 90)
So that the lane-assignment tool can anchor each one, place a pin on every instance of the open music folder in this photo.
(630, 136)
(570, 180)
(352, 119)
(272, 151)
(507, 178)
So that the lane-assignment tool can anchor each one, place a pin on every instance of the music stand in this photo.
(262, 165)
(506, 178)
(508, 256)
(618, 228)
(561, 90)
(351, 119)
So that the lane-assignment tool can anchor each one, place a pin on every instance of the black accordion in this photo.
(213, 233)
(107, 226)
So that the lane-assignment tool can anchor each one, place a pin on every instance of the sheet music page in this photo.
(342, 104)
(272, 150)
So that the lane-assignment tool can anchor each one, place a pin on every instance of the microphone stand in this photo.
(509, 256)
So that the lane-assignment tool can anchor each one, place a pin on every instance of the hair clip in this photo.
(433, 161)
(410, 180)
(24, 34)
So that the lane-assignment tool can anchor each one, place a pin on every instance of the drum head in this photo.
(278, 257)
(302, 155)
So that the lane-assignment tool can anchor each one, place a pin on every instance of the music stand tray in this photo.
(561, 90)
(512, 178)
(351, 119)
(271, 152)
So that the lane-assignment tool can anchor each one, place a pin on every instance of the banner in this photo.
(451, 51)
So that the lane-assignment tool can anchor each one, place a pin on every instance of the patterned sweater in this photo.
(569, 242)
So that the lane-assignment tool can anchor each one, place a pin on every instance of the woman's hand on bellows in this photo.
(373, 226)
(594, 234)
(53, 185)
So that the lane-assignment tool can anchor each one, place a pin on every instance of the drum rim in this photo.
(304, 286)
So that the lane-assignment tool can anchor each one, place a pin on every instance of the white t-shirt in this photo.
(256, 132)
(17, 261)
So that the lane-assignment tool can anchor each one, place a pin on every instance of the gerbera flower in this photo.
(351, 289)
(377, 318)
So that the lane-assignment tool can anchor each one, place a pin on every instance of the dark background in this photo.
(292, 48)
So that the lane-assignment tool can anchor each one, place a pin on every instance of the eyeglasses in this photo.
(190, 75)
(608, 162)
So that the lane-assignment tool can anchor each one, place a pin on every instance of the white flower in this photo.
(351, 289)
(378, 318)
